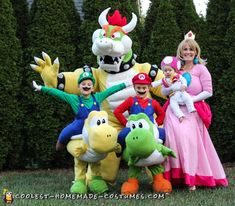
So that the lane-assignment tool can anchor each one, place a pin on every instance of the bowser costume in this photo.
(117, 64)
(135, 105)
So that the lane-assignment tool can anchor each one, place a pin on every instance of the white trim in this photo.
(78, 136)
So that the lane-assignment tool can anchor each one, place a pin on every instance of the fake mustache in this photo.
(141, 92)
(86, 88)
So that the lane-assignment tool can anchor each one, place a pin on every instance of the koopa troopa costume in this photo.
(117, 64)
(142, 150)
(98, 139)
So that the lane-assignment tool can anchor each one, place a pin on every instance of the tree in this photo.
(217, 25)
(217, 21)
(186, 16)
(22, 17)
(165, 35)
(53, 29)
(10, 112)
(148, 28)
(92, 10)
(224, 123)
(187, 19)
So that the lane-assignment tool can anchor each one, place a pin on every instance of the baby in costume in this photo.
(177, 84)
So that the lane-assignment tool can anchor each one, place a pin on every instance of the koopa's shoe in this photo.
(160, 184)
(97, 185)
(130, 187)
(79, 187)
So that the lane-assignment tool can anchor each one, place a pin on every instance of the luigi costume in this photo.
(81, 106)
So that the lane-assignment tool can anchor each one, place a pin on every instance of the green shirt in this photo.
(73, 99)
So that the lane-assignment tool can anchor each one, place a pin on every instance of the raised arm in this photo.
(46, 69)
(156, 83)
(56, 93)
(65, 81)
(101, 96)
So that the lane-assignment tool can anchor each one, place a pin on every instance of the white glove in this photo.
(36, 86)
(156, 83)
(201, 96)
(127, 124)
(128, 83)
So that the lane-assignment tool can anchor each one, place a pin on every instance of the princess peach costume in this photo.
(197, 163)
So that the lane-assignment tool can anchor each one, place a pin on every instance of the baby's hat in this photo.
(171, 61)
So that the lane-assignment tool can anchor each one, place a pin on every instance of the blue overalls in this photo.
(75, 128)
(135, 109)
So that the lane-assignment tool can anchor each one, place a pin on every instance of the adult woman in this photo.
(197, 163)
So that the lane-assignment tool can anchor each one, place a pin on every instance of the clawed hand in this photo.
(47, 70)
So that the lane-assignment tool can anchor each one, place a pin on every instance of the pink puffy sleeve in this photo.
(205, 79)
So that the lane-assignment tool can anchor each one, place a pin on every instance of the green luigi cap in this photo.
(86, 75)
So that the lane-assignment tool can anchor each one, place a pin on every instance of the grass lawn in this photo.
(56, 183)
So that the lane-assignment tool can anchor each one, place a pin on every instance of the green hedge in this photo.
(31, 122)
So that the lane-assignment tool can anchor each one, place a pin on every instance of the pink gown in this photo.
(197, 162)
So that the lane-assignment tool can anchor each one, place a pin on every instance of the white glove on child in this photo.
(36, 86)
(128, 83)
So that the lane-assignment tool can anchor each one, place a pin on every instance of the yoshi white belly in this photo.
(91, 156)
(155, 158)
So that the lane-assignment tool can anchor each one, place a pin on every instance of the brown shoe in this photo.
(59, 146)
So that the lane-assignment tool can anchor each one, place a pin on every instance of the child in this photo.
(177, 84)
(82, 105)
(140, 103)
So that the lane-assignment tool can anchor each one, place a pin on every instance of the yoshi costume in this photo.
(142, 150)
(98, 139)
(117, 64)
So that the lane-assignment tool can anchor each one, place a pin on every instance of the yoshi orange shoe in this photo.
(160, 184)
(130, 187)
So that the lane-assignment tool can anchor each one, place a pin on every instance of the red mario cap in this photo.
(141, 78)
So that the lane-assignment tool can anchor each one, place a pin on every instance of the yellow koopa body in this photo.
(98, 140)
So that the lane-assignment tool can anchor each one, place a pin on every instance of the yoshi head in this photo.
(140, 141)
(98, 134)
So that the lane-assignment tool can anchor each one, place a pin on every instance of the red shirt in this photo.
(127, 104)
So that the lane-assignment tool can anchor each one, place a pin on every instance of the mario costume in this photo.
(174, 83)
(135, 105)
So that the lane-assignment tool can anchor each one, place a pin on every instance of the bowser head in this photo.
(111, 43)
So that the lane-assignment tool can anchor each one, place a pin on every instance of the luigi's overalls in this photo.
(75, 128)
(135, 109)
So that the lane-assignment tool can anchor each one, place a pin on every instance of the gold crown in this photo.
(189, 35)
